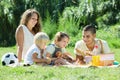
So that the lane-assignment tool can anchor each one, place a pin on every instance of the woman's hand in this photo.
(88, 53)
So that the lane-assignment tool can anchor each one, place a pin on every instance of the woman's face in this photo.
(33, 20)
(63, 43)
(88, 37)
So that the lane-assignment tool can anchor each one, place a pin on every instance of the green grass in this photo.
(57, 73)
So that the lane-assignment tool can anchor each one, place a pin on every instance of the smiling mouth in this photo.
(86, 41)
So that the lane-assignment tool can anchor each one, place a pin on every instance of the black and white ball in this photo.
(9, 58)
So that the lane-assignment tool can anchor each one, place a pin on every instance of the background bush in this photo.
(69, 16)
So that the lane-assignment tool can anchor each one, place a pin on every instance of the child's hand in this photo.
(48, 61)
(59, 54)
(48, 55)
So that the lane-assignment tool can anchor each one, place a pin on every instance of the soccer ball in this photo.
(9, 58)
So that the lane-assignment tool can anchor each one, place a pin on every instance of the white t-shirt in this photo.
(51, 49)
(28, 57)
(28, 40)
(82, 46)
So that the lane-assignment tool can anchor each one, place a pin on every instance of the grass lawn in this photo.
(57, 73)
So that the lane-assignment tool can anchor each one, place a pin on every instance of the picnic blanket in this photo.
(73, 66)
(90, 66)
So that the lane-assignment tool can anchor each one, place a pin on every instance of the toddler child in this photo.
(35, 54)
(57, 49)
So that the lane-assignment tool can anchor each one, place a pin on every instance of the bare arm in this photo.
(84, 53)
(19, 40)
(37, 60)
(49, 56)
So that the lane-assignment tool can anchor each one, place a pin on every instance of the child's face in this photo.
(42, 44)
(63, 43)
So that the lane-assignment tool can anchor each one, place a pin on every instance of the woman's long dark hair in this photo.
(26, 16)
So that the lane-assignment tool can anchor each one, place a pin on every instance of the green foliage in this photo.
(82, 15)
(5, 24)
(11, 10)
(74, 39)
(100, 12)
(54, 7)
(69, 16)
(114, 43)
(49, 27)
(68, 26)
(9, 21)
(111, 35)
(108, 13)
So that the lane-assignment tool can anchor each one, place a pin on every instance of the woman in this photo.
(28, 27)
(90, 45)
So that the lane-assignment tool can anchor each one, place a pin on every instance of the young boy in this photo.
(35, 54)
(90, 45)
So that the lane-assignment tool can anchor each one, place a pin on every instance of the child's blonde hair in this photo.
(60, 35)
(40, 36)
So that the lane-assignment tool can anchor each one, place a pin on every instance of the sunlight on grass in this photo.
(57, 73)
